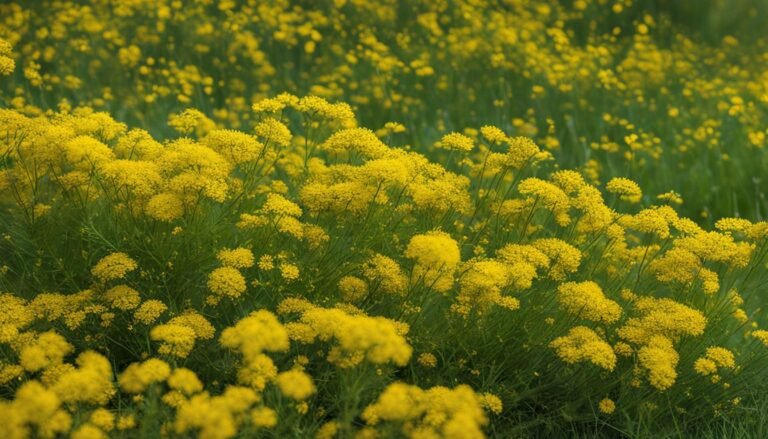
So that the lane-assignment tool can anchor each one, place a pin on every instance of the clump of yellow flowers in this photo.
(321, 279)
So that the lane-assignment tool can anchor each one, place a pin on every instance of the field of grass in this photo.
(355, 219)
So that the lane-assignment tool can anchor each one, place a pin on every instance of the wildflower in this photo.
(277, 204)
(166, 207)
(352, 288)
(149, 311)
(86, 153)
(48, 349)
(37, 406)
(252, 336)
(456, 142)
(661, 317)
(266, 262)
(358, 337)
(548, 196)
(482, 282)
(462, 417)
(659, 358)
(139, 178)
(235, 146)
(522, 151)
(606, 406)
(7, 64)
(188, 121)
(215, 417)
(564, 258)
(91, 382)
(295, 384)
(315, 106)
(123, 297)
(273, 105)
(138, 376)
(289, 272)
(715, 357)
(126, 422)
(263, 417)
(184, 380)
(493, 134)
(226, 282)
(670, 197)
(625, 188)
(273, 131)
(436, 255)
(385, 275)
(177, 340)
(329, 430)
(650, 221)
(359, 140)
(761, 335)
(427, 359)
(196, 322)
(583, 344)
(103, 419)
(586, 300)
(113, 267)
(492, 403)
(236, 258)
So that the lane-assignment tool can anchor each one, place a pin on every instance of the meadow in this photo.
(354, 219)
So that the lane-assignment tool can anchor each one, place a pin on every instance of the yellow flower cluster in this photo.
(113, 267)
(284, 268)
(436, 256)
(435, 412)
(7, 64)
(357, 337)
(252, 336)
(584, 344)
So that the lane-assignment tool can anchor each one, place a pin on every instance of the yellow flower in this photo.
(625, 188)
(439, 411)
(715, 357)
(289, 272)
(103, 419)
(493, 134)
(659, 358)
(123, 297)
(178, 340)
(273, 131)
(227, 282)
(352, 288)
(436, 255)
(263, 417)
(606, 406)
(235, 146)
(584, 344)
(295, 384)
(427, 359)
(456, 142)
(149, 311)
(138, 376)
(91, 382)
(184, 380)
(237, 258)
(114, 266)
(166, 207)
(587, 301)
(385, 275)
(48, 349)
(329, 430)
(492, 403)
